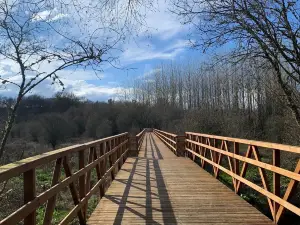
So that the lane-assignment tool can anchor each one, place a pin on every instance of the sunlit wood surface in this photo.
(159, 188)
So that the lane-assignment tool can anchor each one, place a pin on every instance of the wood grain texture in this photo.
(159, 188)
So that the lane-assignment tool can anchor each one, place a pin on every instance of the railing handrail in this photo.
(199, 145)
(263, 144)
(141, 133)
(105, 155)
(168, 139)
(140, 137)
(13, 169)
(161, 131)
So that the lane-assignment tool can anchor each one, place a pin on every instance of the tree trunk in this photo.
(8, 126)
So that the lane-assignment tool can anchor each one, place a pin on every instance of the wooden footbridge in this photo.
(151, 179)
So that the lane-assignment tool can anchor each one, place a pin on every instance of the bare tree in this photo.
(262, 29)
(41, 39)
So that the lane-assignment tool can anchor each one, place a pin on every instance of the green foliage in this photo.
(58, 215)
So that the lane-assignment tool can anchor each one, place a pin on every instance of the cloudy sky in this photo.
(161, 39)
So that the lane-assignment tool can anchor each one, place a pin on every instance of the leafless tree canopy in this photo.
(42, 38)
(261, 29)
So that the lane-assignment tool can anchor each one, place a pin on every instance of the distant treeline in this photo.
(55, 120)
(232, 99)
(239, 100)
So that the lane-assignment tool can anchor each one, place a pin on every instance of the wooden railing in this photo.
(168, 138)
(140, 137)
(106, 156)
(233, 156)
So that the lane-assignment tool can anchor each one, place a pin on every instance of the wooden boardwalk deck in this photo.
(159, 188)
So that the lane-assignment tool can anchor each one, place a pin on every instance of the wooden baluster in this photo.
(236, 165)
(102, 167)
(114, 157)
(276, 182)
(82, 185)
(119, 154)
(289, 192)
(111, 160)
(116, 154)
(126, 147)
(73, 190)
(88, 175)
(214, 154)
(186, 144)
(194, 148)
(29, 194)
(97, 168)
(51, 202)
(201, 148)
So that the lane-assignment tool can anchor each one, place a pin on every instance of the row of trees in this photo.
(57, 120)
(240, 100)
(233, 99)
(258, 30)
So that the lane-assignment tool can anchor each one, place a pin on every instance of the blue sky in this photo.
(161, 39)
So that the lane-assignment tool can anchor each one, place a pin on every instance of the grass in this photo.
(64, 202)
(44, 180)
(58, 215)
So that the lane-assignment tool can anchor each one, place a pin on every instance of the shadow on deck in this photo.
(159, 188)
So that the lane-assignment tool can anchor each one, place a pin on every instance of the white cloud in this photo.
(48, 15)
(57, 17)
(43, 15)
(149, 73)
(146, 51)
(160, 25)
(80, 88)
(75, 80)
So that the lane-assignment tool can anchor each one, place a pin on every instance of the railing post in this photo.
(82, 185)
(236, 165)
(133, 146)
(180, 145)
(30, 194)
(276, 182)
(102, 166)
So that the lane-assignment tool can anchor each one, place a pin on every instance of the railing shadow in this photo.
(145, 175)
(153, 144)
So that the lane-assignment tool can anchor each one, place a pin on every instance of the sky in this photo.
(161, 39)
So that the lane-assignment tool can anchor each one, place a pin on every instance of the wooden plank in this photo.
(257, 188)
(170, 190)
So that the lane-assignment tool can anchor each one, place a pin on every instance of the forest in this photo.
(237, 100)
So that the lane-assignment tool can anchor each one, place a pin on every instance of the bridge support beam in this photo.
(180, 145)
